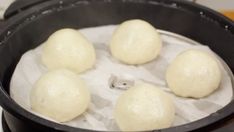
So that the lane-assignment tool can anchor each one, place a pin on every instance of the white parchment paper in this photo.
(99, 115)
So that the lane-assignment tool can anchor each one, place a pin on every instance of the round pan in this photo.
(28, 27)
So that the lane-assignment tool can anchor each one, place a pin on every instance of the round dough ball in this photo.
(193, 73)
(135, 42)
(60, 94)
(144, 107)
(67, 48)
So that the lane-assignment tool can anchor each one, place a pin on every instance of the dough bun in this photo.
(60, 94)
(193, 73)
(67, 48)
(135, 42)
(144, 107)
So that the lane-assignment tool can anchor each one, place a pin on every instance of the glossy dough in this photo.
(67, 48)
(144, 107)
(193, 73)
(135, 42)
(60, 95)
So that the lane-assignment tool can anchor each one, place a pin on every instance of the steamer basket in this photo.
(29, 23)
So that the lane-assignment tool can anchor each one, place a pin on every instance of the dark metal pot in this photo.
(30, 24)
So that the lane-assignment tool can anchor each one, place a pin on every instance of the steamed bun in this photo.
(144, 107)
(135, 42)
(67, 48)
(193, 73)
(60, 94)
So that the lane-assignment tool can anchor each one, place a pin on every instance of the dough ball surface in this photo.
(60, 94)
(144, 107)
(67, 48)
(135, 42)
(193, 73)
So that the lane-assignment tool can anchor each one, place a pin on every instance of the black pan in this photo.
(29, 24)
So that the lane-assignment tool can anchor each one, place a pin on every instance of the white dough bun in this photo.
(144, 107)
(67, 48)
(60, 94)
(135, 42)
(194, 73)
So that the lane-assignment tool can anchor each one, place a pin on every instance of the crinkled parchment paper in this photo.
(99, 115)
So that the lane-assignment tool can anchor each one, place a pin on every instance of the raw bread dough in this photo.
(135, 42)
(193, 73)
(144, 107)
(67, 48)
(60, 94)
